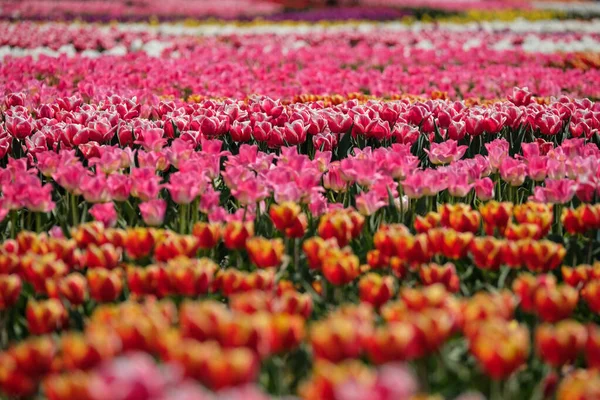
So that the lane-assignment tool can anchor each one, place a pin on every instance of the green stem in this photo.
(182, 217)
(74, 210)
(13, 223)
(38, 222)
(496, 390)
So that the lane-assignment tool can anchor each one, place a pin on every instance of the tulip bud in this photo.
(555, 303)
(560, 344)
(236, 233)
(10, 290)
(103, 256)
(375, 289)
(73, 288)
(45, 316)
(208, 234)
(444, 274)
(576, 276)
(496, 216)
(14, 381)
(340, 267)
(265, 253)
(592, 347)
(173, 245)
(81, 352)
(429, 221)
(397, 341)
(139, 242)
(542, 255)
(450, 243)
(105, 285)
(591, 295)
(579, 385)
(500, 347)
(335, 339)
(72, 385)
(486, 252)
(284, 215)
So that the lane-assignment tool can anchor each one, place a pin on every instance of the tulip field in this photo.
(257, 199)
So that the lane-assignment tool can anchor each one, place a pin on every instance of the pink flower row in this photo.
(181, 153)
(138, 9)
(381, 63)
(69, 122)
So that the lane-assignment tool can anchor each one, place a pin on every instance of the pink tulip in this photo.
(458, 184)
(513, 171)
(484, 189)
(105, 213)
(560, 191)
(445, 152)
(368, 203)
(153, 211)
(18, 127)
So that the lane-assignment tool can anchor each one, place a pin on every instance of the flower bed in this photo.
(329, 212)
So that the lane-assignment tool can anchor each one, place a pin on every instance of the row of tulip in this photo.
(437, 157)
(269, 321)
(135, 10)
(379, 63)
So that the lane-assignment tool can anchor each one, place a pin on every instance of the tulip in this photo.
(315, 248)
(445, 152)
(73, 288)
(190, 277)
(10, 290)
(522, 231)
(430, 221)
(153, 211)
(265, 253)
(486, 252)
(208, 234)
(336, 225)
(82, 352)
(396, 342)
(143, 280)
(591, 294)
(576, 276)
(14, 381)
(45, 316)
(104, 256)
(500, 347)
(496, 216)
(173, 245)
(449, 242)
(375, 289)
(236, 233)
(139, 242)
(560, 344)
(328, 377)
(340, 267)
(579, 385)
(283, 215)
(105, 285)
(73, 385)
(555, 303)
(542, 255)
(444, 274)
(335, 339)
(292, 302)
(592, 346)
(535, 213)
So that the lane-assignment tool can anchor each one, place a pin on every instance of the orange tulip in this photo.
(265, 253)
